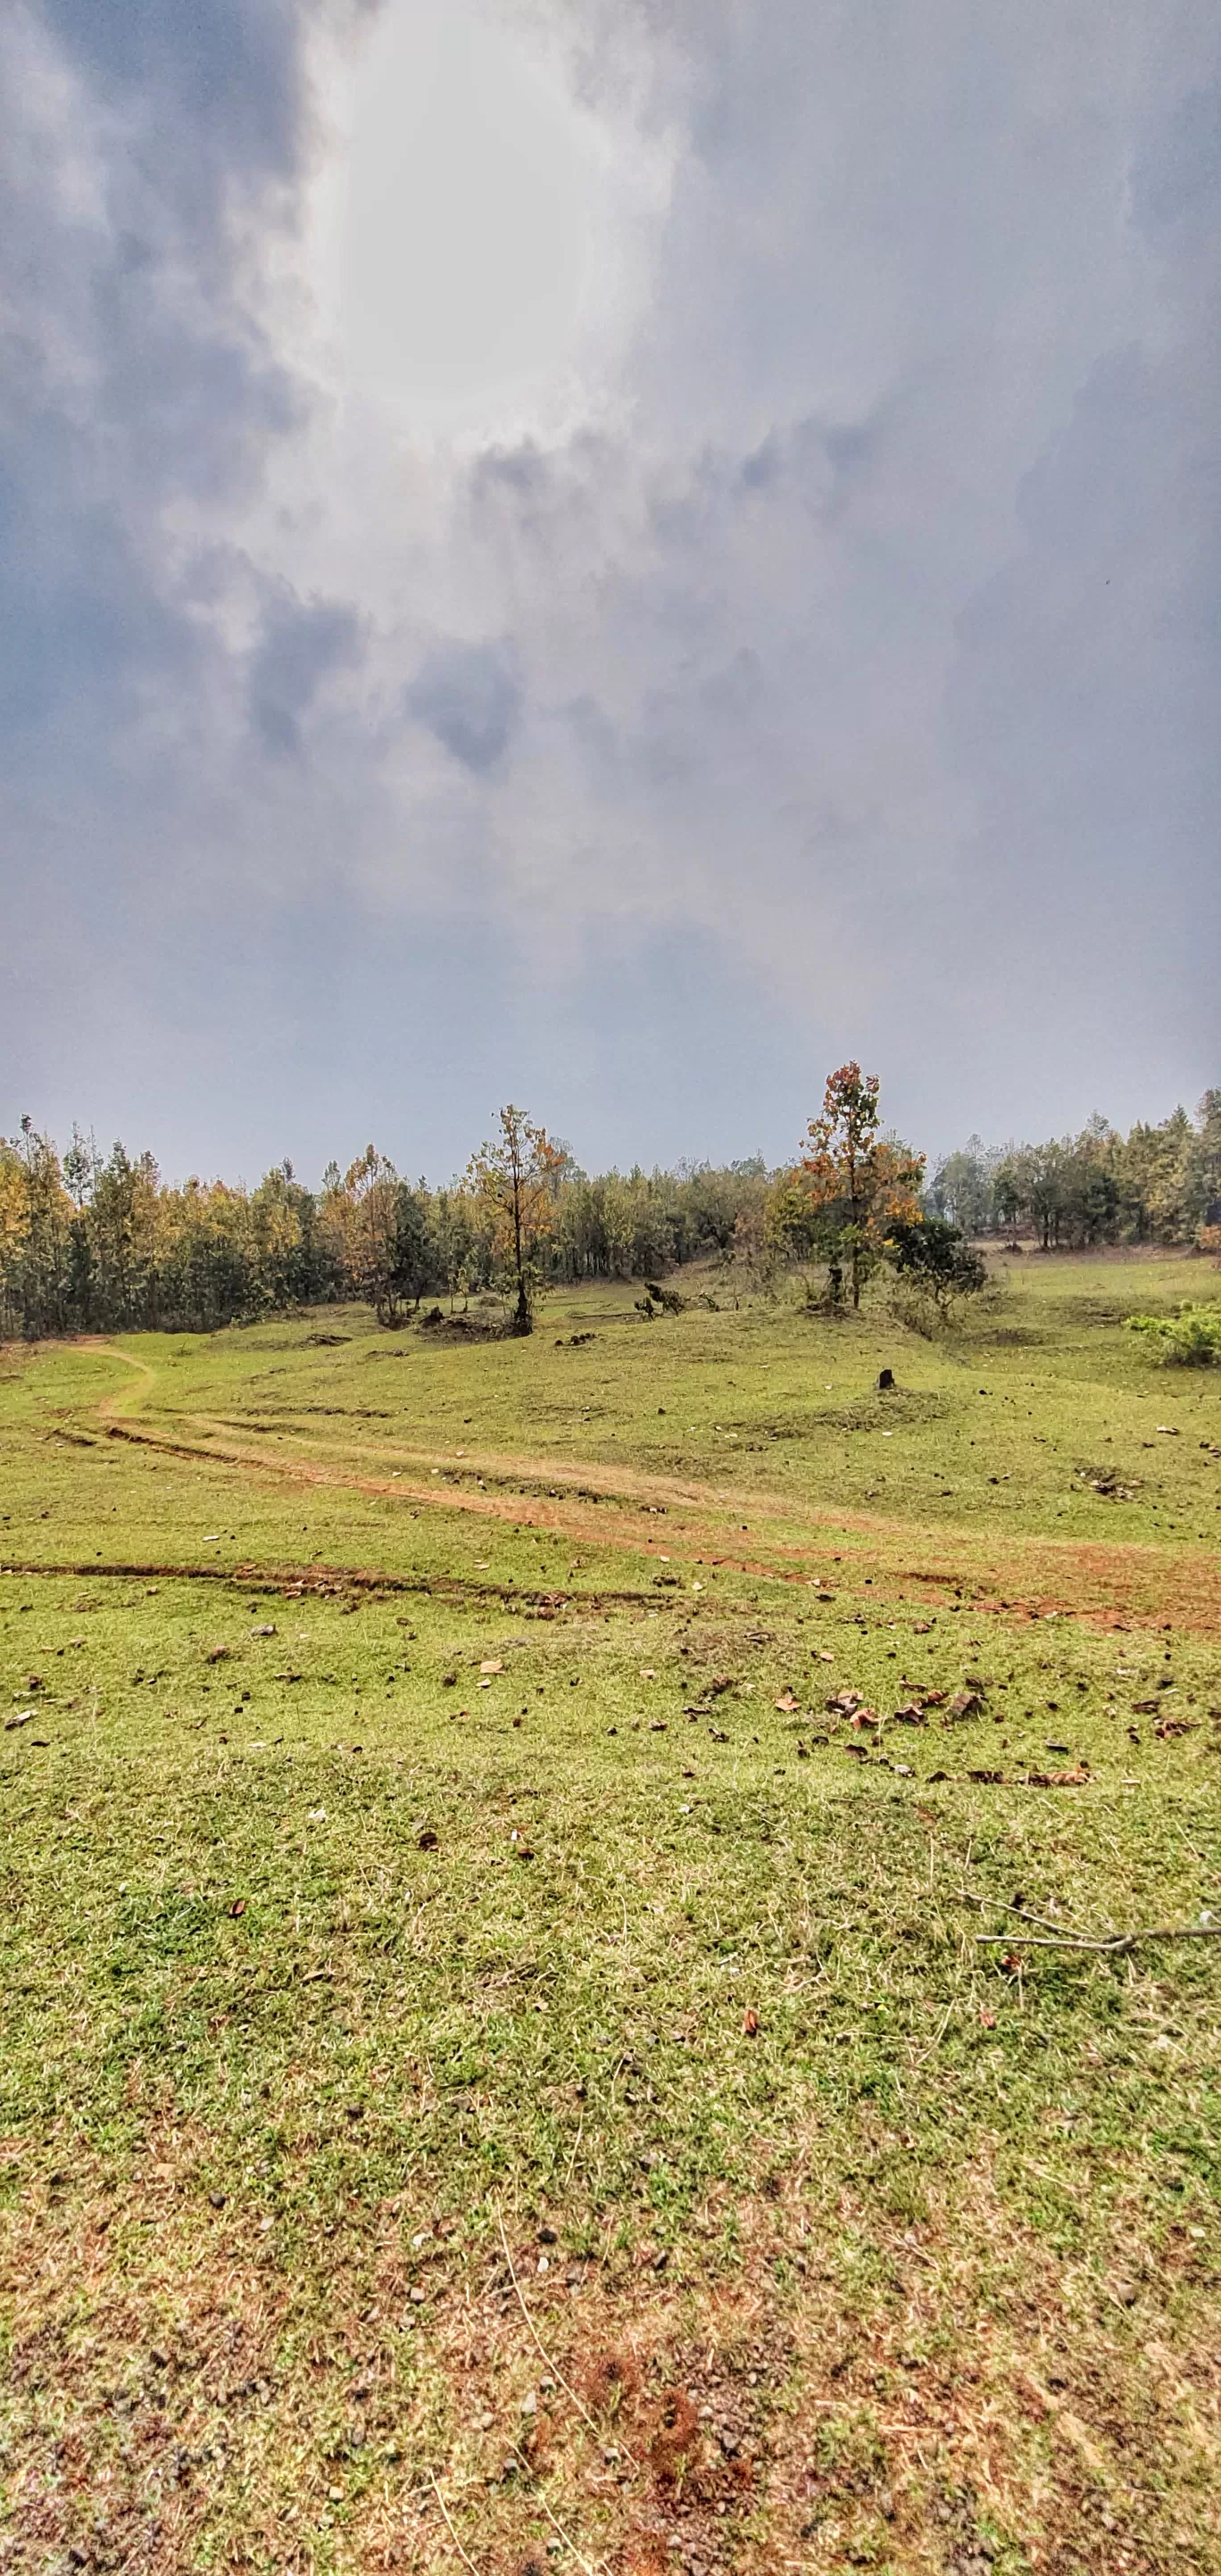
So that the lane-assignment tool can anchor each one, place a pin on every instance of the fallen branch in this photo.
(1026, 1914)
(1116, 1943)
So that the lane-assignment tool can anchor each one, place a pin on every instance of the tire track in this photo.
(1024, 1576)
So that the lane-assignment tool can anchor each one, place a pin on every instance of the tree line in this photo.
(102, 1243)
(94, 1242)
(1156, 1185)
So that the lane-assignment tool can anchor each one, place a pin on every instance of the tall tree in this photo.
(514, 1179)
(854, 1181)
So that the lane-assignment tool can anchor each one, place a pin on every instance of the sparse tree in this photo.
(514, 1179)
(962, 1187)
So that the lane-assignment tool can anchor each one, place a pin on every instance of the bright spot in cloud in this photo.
(474, 190)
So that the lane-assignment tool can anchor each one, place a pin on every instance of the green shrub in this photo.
(1190, 1339)
(935, 1260)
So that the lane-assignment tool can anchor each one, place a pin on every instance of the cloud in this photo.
(141, 393)
(470, 697)
(838, 615)
(301, 643)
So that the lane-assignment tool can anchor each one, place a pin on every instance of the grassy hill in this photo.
(528, 2034)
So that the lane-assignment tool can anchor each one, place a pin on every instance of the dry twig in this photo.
(467, 2562)
(1115, 1944)
(557, 2525)
(552, 2366)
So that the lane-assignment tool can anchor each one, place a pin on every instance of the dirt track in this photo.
(611, 1506)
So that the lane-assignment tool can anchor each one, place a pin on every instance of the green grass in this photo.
(336, 1966)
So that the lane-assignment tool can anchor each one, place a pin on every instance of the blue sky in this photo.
(605, 555)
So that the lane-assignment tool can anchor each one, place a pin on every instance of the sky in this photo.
(606, 553)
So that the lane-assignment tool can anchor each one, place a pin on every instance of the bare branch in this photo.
(1114, 1944)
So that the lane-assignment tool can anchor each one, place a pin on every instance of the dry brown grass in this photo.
(847, 2389)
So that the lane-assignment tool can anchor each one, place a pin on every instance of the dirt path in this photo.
(842, 1550)
(112, 1406)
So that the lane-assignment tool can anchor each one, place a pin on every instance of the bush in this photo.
(933, 1258)
(665, 1301)
(1190, 1339)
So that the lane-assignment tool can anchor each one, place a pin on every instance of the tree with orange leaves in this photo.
(852, 1184)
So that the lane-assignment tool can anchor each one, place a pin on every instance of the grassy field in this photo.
(529, 2040)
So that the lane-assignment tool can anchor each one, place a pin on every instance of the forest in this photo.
(93, 1241)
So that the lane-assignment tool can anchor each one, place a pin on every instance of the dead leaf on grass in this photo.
(965, 1703)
